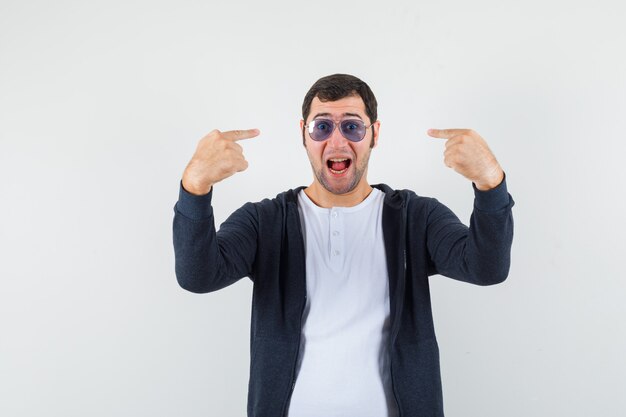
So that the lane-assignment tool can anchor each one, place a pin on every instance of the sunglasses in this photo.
(351, 129)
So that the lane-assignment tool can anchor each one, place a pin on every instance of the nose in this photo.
(336, 139)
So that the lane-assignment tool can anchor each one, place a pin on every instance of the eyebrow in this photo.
(343, 115)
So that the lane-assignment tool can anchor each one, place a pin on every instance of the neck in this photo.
(324, 198)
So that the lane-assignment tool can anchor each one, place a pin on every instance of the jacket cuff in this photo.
(492, 200)
(195, 207)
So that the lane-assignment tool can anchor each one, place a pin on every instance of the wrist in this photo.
(194, 188)
(491, 182)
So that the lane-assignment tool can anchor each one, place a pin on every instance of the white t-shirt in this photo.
(343, 365)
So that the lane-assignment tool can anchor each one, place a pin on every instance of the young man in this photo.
(341, 315)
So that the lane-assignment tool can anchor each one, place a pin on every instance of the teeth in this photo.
(338, 159)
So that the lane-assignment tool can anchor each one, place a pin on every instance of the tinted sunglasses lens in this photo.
(321, 129)
(353, 130)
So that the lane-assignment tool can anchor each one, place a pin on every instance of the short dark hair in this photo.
(337, 86)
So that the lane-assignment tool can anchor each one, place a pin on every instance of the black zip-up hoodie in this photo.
(263, 241)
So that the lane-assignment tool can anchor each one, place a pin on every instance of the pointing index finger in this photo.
(446, 133)
(236, 135)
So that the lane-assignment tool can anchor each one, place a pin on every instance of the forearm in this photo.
(479, 254)
(207, 260)
(490, 238)
(195, 242)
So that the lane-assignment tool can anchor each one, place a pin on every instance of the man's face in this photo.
(327, 157)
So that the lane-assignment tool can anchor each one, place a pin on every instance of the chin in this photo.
(338, 188)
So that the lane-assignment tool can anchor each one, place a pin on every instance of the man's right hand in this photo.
(217, 156)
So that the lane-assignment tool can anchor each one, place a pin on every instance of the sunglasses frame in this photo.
(335, 125)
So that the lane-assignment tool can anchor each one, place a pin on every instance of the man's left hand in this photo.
(468, 154)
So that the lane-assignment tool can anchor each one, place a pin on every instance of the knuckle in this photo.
(210, 137)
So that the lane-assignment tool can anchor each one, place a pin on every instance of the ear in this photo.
(376, 130)
(302, 132)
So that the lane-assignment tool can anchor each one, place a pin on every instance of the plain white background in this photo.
(102, 104)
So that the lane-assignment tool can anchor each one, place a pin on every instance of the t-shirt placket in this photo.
(337, 239)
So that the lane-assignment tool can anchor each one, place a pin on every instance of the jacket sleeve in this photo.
(480, 254)
(206, 260)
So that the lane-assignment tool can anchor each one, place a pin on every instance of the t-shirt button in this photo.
(335, 214)
(335, 233)
(337, 253)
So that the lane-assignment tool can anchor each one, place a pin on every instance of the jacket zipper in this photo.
(293, 371)
(295, 362)
(393, 383)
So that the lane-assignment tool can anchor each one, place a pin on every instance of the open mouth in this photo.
(338, 165)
